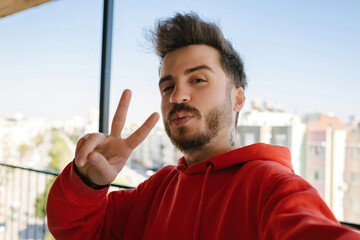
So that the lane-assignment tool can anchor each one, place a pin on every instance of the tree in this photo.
(23, 148)
(38, 139)
(40, 202)
(59, 153)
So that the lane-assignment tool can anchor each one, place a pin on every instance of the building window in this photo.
(354, 152)
(280, 139)
(354, 179)
(316, 175)
(249, 138)
(354, 205)
(317, 150)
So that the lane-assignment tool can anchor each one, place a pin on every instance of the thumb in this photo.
(106, 173)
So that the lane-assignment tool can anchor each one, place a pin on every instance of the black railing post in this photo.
(106, 66)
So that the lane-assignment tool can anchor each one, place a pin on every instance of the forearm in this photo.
(74, 210)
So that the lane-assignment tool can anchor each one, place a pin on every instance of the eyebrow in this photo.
(166, 78)
(186, 72)
(194, 69)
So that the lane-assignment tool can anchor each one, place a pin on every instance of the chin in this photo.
(184, 132)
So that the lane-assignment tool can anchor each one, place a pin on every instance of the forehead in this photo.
(190, 56)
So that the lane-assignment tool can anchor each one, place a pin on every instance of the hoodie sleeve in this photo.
(293, 209)
(75, 211)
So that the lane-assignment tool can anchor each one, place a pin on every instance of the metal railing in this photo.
(23, 194)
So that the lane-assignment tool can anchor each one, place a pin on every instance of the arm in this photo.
(76, 211)
(78, 208)
(69, 203)
(293, 209)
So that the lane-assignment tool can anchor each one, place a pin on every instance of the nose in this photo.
(180, 95)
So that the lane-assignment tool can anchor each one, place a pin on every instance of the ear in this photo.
(238, 99)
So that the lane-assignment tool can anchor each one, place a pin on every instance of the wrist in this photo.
(86, 180)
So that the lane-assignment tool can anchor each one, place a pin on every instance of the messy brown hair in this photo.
(187, 29)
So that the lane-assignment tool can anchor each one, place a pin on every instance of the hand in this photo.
(101, 157)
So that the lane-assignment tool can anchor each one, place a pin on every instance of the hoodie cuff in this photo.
(86, 180)
(78, 187)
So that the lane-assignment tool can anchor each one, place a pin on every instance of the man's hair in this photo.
(187, 29)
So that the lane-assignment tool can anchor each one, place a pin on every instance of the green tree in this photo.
(40, 202)
(48, 236)
(38, 139)
(23, 148)
(75, 135)
(59, 153)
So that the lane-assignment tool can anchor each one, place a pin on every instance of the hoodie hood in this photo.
(257, 151)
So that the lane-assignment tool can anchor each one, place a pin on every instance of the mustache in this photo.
(183, 107)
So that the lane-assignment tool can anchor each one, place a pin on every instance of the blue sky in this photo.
(303, 55)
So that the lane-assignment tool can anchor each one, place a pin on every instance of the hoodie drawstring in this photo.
(209, 167)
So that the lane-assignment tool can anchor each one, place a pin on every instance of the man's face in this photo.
(196, 98)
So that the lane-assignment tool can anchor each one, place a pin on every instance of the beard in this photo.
(215, 120)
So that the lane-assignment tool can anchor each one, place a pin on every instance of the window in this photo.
(280, 139)
(354, 205)
(354, 153)
(249, 138)
(50, 68)
(317, 149)
(355, 178)
(49, 97)
(316, 175)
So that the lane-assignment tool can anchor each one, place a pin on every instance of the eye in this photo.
(198, 80)
(167, 89)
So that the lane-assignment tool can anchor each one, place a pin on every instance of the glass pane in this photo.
(297, 66)
(49, 96)
(302, 66)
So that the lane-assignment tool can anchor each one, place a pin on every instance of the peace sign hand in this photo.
(100, 158)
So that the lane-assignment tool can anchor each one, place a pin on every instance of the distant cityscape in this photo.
(325, 151)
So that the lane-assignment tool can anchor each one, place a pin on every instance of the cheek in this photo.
(164, 109)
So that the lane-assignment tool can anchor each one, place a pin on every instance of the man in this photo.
(218, 190)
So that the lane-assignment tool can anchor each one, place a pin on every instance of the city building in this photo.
(272, 125)
(352, 172)
(325, 159)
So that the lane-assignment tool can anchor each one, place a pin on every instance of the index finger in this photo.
(120, 114)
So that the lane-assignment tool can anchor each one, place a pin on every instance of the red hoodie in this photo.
(248, 193)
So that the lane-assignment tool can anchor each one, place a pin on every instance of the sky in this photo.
(301, 55)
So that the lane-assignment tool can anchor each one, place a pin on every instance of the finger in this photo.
(120, 114)
(139, 135)
(86, 136)
(105, 172)
(88, 146)
(79, 145)
(81, 142)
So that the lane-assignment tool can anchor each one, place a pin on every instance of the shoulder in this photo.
(271, 175)
(267, 167)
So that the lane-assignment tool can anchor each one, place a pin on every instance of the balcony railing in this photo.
(23, 194)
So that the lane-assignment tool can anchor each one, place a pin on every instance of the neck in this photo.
(222, 143)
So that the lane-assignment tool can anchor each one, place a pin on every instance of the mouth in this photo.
(180, 118)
